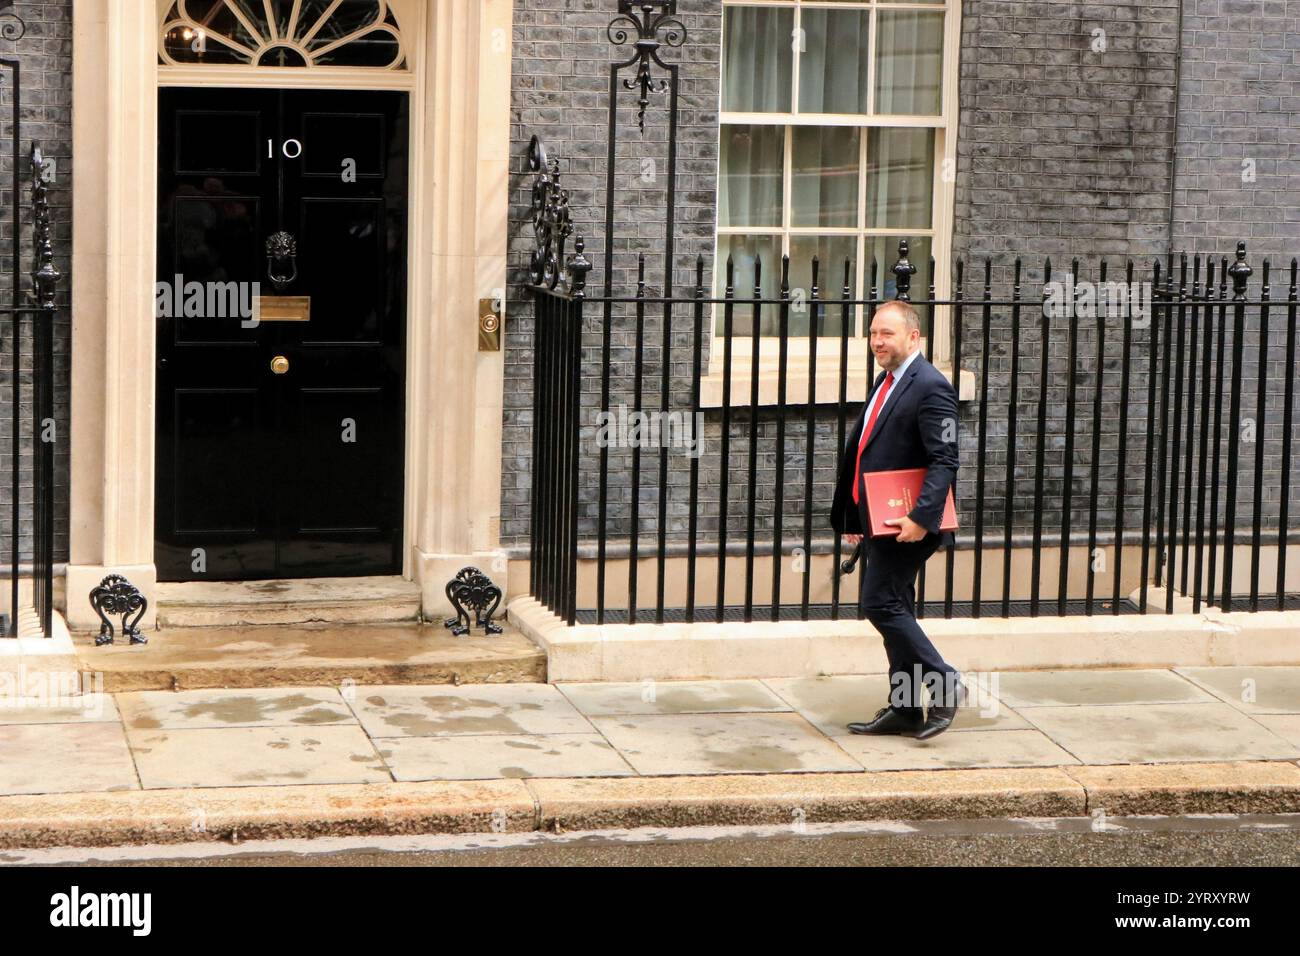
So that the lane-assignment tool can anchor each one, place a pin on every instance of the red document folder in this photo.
(893, 494)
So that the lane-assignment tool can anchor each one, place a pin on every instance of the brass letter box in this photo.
(284, 308)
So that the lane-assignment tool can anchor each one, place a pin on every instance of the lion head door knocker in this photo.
(472, 590)
(117, 595)
(281, 259)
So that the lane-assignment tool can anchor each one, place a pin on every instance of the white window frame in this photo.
(939, 232)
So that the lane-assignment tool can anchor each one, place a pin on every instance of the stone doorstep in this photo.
(311, 655)
(761, 649)
(315, 600)
(557, 805)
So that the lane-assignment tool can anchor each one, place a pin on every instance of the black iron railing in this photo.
(31, 440)
(1099, 434)
(1120, 434)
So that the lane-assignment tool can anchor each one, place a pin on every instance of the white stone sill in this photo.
(827, 387)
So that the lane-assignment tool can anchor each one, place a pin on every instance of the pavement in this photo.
(105, 768)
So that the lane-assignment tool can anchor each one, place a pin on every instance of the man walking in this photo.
(909, 421)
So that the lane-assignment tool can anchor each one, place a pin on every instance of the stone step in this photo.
(327, 655)
(374, 600)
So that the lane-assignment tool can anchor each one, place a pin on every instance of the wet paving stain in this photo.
(270, 587)
(684, 700)
(755, 757)
(448, 703)
(420, 725)
(522, 745)
(251, 708)
(260, 776)
(514, 773)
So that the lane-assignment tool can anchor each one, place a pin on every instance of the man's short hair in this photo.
(910, 315)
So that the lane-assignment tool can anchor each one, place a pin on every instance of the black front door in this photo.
(280, 419)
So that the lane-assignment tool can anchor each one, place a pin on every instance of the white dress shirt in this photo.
(898, 377)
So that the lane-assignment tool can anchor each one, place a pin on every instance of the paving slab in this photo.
(722, 743)
(954, 751)
(65, 758)
(86, 708)
(673, 697)
(403, 711)
(501, 756)
(1286, 726)
(264, 707)
(831, 703)
(255, 756)
(1255, 690)
(1159, 733)
(1021, 689)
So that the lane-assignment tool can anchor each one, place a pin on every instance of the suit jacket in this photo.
(910, 432)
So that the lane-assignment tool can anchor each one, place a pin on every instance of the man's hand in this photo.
(853, 539)
(909, 531)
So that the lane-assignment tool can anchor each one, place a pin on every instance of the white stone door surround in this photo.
(459, 53)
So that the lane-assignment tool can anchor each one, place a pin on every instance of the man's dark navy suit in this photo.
(917, 428)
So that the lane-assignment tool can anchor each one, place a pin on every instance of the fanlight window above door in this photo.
(282, 33)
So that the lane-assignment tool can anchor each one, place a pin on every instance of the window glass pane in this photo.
(909, 62)
(749, 187)
(900, 177)
(743, 250)
(833, 61)
(189, 43)
(831, 251)
(757, 59)
(824, 186)
(885, 251)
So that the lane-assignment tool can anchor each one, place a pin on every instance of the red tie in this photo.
(866, 432)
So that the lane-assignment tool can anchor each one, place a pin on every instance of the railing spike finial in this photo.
(45, 277)
(903, 271)
(1240, 272)
(578, 267)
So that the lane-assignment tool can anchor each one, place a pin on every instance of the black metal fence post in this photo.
(43, 311)
(45, 280)
(1240, 273)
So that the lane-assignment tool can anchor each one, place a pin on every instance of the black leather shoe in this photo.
(889, 721)
(939, 719)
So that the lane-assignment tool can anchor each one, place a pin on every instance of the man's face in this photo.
(891, 340)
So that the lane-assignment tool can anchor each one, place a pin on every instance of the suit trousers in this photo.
(887, 598)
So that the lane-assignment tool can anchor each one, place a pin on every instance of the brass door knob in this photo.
(279, 365)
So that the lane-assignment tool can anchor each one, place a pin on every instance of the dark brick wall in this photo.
(560, 88)
(1066, 150)
(1237, 178)
(1237, 175)
(45, 55)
